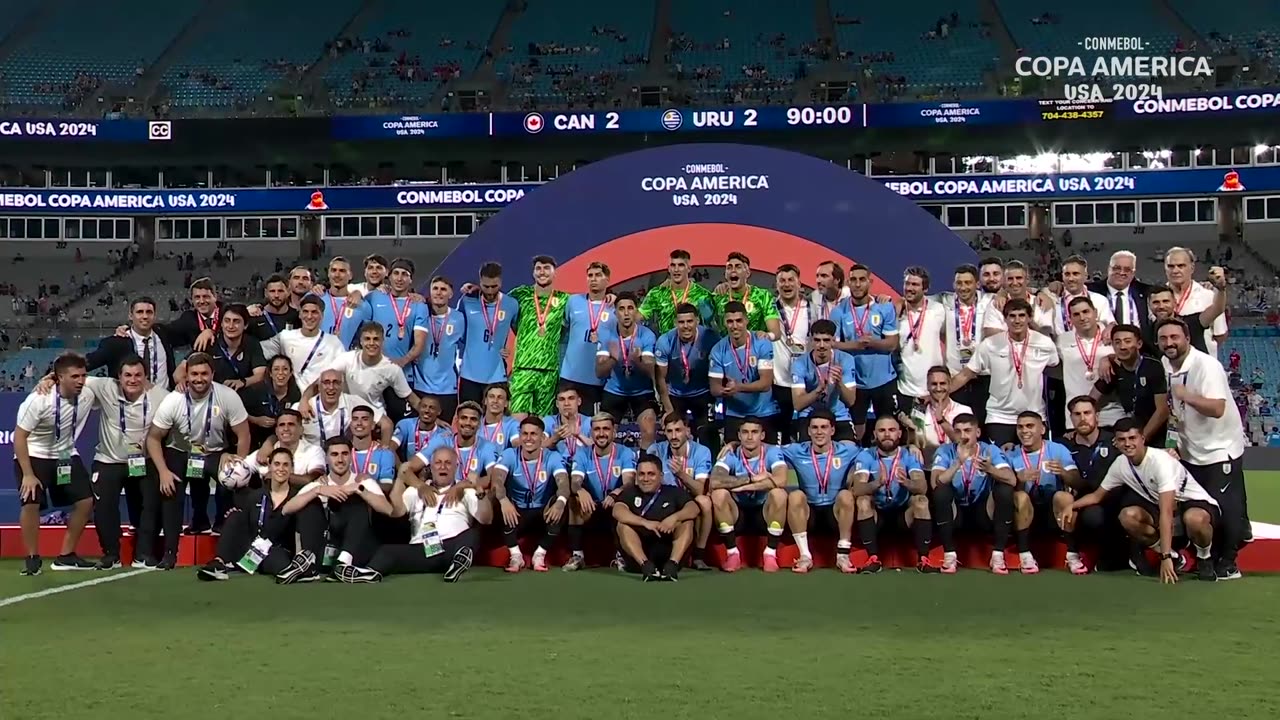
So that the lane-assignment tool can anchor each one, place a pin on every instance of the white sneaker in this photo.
(1075, 565)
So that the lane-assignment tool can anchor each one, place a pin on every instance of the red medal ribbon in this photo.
(1182, 298)
(684, 297)
(746, 465)
(1026, 462)
(859, 328)
(465, 464)
(824, 476)
(1091, 357)
(744, 365)
(532, 480)
(491, 325)
(1019, 359)
(401, 317)
(594, 316)
(937, 422)
(540, 313)
(368, 456)
(892, 473)
(437, 330)
(914, 326)
(968, 471)
(337, 313)
(213, 320)
(625, 350)
(790, 322)
(604, 473)
(684, 356)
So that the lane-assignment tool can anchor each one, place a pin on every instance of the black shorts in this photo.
(473, 391)
(844, 430)
(822, 520)
(974, 518)
(656, 547)
(1133, 499)
(590, 395)
(1043, 519)
(751, 521)
(695, 408)
(448, 405)
(76, 489)
(893, 519)
(882, 398)
(999, 434)
(622, 407)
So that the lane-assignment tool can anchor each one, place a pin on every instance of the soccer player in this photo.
(367, 374)
(185, 445)
(142, 337)
(48, 465)
(413, 434)
(1137, 387)
(1162, 501)
(748, 494)
(567, 429)
(1206, 432)
(933, 419)
(966, 308)
(741, 373)
(443, 535)
(309, 348)
(1075, 273)
(331, 410)
(499, 427)
(587, 317)
(308, 459)
(626, 361)
(868, 330)
(1201, 323)
(404, 318)
(436, 372)
(921, 347)
(476, 456)
(488, 322)
(823, 503)
(375, 275)
(1046, 471)
(369, 458)
(822, 379)
(275, 315)
(601, 471)
(1039, 318)
(531, 486)
(347, 500)
(794, 314)
(762, 311)
(890, 489)
(538, 330)
(687, 464)
(660, 304)
(1086, 356)
(654, 523)
(683, 361)
(344, 309)
(973, 486)
(830, 290)
(1191, 297)
(1015, 360)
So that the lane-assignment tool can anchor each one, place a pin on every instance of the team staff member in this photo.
(1192, 297)
(444, 533)
(823, 503)
(309, 348)
(142, 337)
(1039, 318)
(331, 409)
(265, 401)
(48, 465)
(375, 275)
(661, 305)
(1093, 450)
(1126, 296)
(476, 455)
(829, 290)
(921, 346)
(748, 494)
(688, 465)
(368, 374)
(403, 316)
(344, 309)
(488, 322)
(741, 373)
(531, 486)
(793, 315)
(300, 285)
(198, 327)
(587, 316)
(682, 357)
(933, 419)
(1085, 356)
(308, 459)
(1075, 271)
(890, 488)
(1046, 472)
(276, 315)
(238, 360)
(348, 499)
(1206, 431)
(1137, 383)
(823, 379)
(973, 487)
(1202, 323)
(185, 444)
(868, 330)
(654, 523)
(436, 371)
(601, 471)
(626, 361)
(1162, 501)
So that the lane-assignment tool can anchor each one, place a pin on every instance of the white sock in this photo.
(539, 551)
(770, 552)
(731, 551)
(344, 558)
(1203, 553)
(578, 554)
(948, 556)
(1073, 557)
(997, 555)
(844, 546)
(1026, 557)
(515, 553)
(802, 542)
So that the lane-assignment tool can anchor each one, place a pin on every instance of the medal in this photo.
(338, 312)
(401, 316)
(540, 313)
(1089, 358)
(916, 324)
(1019, 358)
(859, 327)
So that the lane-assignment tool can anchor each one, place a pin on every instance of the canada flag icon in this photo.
(533, 123)
(1231, 182)
(317, 201)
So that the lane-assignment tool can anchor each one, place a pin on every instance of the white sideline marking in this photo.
(68, 588)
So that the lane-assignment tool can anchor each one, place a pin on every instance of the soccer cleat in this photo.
(460, 564)
(168, 562)
(71, 561)
(1028, 566)
(770, 563)
(515, 564)
(302, 566)
(732, 562)
(143, 563)
(925, 566)
(108, 562)
(618, 563)
(845, 564)
(950, 564)
(649, 573)
(872, 566)
(576, 563)
(1227, 571)
(197, 529)
(1076, 566)
(540, 562)
(670, 572)
(213, 571)
(701, 565)
(997, 564)
(1205, 571)
(803, 565)
(353, 575)
(31, 566)
(1142, 566)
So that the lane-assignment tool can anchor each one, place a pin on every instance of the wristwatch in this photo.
(1173, 557)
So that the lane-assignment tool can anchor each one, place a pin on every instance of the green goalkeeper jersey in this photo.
(659, 306)
(760, 307)
(539, 328)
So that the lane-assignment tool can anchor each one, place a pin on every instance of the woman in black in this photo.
(266, 400)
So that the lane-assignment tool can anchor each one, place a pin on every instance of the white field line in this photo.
(68, 588)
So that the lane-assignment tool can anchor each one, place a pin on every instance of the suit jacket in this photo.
(1138, 291)
(111, 351)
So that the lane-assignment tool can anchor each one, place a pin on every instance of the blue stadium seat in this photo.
(1070, 23)
(1251, 27)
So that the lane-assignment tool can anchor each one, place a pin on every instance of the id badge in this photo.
(330, 557)
(431, 544)
(195, 466)
(136, 463)
(64, 468)
(1172, 436)
(966, 354)
(257, 553)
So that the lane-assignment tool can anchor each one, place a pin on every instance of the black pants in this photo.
(177, 462)
(974, 394)
(1225, 483)
(532, 523)
(470, 390)
(160, 511)
(410, 559)
(350, 529)
(697, 412)
(239, 532)
(786, 411)
(108, 480)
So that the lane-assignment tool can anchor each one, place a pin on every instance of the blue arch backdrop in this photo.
(774, 205)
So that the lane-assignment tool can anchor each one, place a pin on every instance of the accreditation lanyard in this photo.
(208, 419)
(342, 419)
(57, 418)
(311, 355)
(124, 428)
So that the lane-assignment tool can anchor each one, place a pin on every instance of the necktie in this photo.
(1119, 308)
(146, 358)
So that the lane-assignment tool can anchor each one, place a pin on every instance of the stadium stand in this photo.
(1060, 31)
(1251, 28)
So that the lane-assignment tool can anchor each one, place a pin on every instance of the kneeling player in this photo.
(1045, 471)
(748, 494)
(531, 485)
(655, 523)
(601, 471)
(1162, 502)
(823, 503)
(973, 487)
(890, 489)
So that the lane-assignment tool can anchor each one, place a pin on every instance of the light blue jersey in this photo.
(412, 438)
(436, 370)
(687, 364)
(377, 462)
(821, 476)
(479, 459)
(602, 474)
(872, 368)
(585, 322)
(343, 319)
(400, 318)
(532, 483)
(807, 374)
(743, 365)
(626, 380)
(970, 483)
(487, 327)
(568, 447)
(739, 465)
(697, 462)
(1042, 488)
(504, 434)
(871, 465)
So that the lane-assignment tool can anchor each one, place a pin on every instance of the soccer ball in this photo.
(235, 473)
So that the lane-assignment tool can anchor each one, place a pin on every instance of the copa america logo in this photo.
(533, 123)
(672, 120)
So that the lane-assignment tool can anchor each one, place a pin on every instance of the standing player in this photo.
(991, 275)
(1075, 273)
(626, 361)
(687, 465)
(653, 533)
(538, 329)
(1192, 297)
(748, 494)
(868, 330)
(488, 320)
(794, 314)
(405, 319)
(587, 317)
(1046, 472)
(499, 427)
(823, 504)
(822, 380)
(933, 419)
(48, 465)
(601, 472)
(683, 360)
(921, 347)
(309, 348)
(742, 374)
(344, 311)
(436, 372)
(1086, 358)
(890, 488)
(412, 435)
(973, 486)
(966, 308)
(531, 486)
(660, 304)
(762, 312)
(1206, 432)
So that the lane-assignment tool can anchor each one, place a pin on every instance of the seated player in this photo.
(626, 361)
(346, 499)
(1162, 502)
(973, 487)
(687, 464)
(748, 494)
(890, 489)
(823, 379)
(655, 523)
(823, 503)
(568, 429)
(413, 434)
(531, 485)
(1046, 470)
(476, 456)
(1094, 450)
(499, 427)
(368, 456)
(443, 536)
(601, 471)
(308, 460)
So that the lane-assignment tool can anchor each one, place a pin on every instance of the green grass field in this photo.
(598, 644)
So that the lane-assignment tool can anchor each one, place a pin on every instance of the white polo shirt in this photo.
(450, 520)
(920, 346)
(964, 324)
(1204, 440)
(306, 459)
(368, 381)
(930, 424)
(53, 423)
(1101, 306)
(1199, 299)
(995, 358)
(123, 425)
(1158, 472)
(310, 355)
(206, 422)
(1074, 351)
(329, 423)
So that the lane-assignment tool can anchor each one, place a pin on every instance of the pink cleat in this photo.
(802, 566)
(1076, 566)
(540, 562)
(771, 563)
(997, 564)
(845, 564)
(515, 564)
(950, 564)
(732, 562)
(1029, 566)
